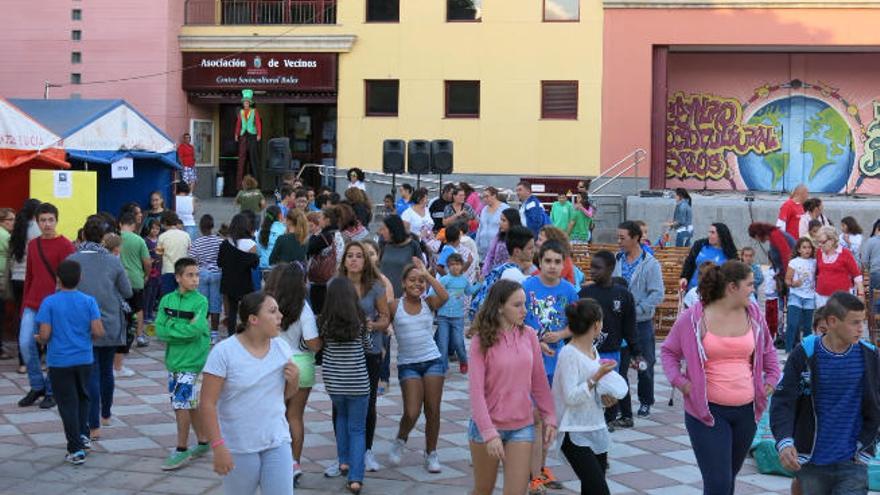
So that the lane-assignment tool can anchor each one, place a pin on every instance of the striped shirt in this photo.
(204, 250)
(345, 367)
(838, 404)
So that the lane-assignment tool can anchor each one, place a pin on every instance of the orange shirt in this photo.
(729, 369)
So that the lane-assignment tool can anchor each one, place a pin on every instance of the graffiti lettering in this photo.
(701, 129)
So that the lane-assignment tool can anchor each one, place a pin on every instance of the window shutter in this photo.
(559, 99)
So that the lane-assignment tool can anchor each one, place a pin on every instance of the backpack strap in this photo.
(809, 345)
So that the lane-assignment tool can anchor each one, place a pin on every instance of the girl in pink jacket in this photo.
(730, 370)
(507, 381)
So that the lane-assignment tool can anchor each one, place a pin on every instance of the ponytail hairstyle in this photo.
(582, 315)
(250, 305)
(286, 283)
(273, 214)
(683, 194)
(714, 279)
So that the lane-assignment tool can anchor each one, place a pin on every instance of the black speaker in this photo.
(441, 156)
(418, 156)
(279, 154)
(392, 156)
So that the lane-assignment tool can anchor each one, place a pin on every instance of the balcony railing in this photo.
(259, 12)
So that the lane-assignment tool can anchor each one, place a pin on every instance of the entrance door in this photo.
(312, 133)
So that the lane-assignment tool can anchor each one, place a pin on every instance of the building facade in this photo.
(743, 95)
(514, 84)
(96, 49)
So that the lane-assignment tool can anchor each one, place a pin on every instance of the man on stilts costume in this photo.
(248, 133)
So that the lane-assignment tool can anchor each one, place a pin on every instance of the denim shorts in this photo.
(433, 367)
(524, 434)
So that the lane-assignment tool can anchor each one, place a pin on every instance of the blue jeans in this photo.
(27, 345)
(351, 438)
(169, 284)
(192, 230)
(721, 449)
(209, 286)
(800, 320)
(270, 470)
(645, 332)
(151, 295)
(843, 478)
(101, 385)
(450, 332)
(683, 238)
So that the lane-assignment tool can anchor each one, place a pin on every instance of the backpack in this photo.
(322, 266)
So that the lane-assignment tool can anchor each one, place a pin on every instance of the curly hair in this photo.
(487, 322)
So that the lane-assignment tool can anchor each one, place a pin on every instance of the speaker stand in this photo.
(418, 181)
(441, 183)
(394, 186)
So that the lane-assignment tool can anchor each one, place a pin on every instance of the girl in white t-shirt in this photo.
(801, 280)
(299, 329)
(247, 379)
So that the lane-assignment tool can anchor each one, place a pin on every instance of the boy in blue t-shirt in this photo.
(68, 321)
(453, 241)
(450, 316)
(547, 295)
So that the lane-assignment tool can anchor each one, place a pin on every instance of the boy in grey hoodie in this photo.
(642, 272)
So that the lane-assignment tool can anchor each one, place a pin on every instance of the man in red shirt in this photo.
(791, 211)
(44, 254)
(186, 155)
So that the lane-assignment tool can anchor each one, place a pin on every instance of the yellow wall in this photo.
(510, 52)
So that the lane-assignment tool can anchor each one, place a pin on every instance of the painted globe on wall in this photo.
(817, 147)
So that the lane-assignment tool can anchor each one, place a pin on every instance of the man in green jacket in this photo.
(182, 323)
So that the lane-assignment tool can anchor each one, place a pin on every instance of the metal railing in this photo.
(259, 12)
(427, 181)
(629, 162)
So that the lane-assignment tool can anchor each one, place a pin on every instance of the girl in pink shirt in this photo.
(731, 369)
(506, 378)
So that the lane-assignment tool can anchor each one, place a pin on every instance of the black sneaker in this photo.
(31, 398)
(622, 423)
(48, 402)
(644, 411)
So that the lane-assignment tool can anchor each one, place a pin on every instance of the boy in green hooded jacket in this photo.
(182, 323)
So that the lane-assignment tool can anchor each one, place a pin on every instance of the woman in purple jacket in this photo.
(731, 369)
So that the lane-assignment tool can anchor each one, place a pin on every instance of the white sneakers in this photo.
(432, 462)
(370, 462)
(396, 452)
(432, 459)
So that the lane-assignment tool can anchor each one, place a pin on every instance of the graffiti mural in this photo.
(768, 122)
(783, 135)
(701, 130)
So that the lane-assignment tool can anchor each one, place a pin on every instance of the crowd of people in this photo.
(304, 284)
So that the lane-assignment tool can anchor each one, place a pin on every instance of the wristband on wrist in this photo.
(217, 443)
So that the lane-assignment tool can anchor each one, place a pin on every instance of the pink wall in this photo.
(630, 34)
(120, 39)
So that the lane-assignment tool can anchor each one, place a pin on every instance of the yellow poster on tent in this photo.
(73, 192)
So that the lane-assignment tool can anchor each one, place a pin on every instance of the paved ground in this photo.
(652, 458)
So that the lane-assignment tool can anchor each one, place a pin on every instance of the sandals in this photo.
(351, 487)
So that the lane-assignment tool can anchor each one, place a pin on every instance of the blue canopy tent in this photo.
(100, 133)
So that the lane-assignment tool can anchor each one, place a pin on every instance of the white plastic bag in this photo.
(612, 384)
